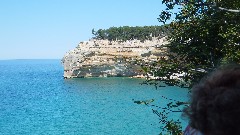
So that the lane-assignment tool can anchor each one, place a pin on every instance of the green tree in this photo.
(204, 35)
(129, 33)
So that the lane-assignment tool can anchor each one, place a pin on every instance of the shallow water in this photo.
(35, 99)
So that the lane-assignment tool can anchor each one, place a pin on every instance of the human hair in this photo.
(215, 103)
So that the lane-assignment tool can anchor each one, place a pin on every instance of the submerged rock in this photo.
(103, 58)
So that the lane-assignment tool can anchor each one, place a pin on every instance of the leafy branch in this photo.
(170, 126)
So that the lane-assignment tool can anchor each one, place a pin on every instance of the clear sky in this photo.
(47, 29)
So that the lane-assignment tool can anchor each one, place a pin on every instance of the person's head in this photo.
(215, 103)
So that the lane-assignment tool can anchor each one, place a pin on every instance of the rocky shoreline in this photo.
(104, 58)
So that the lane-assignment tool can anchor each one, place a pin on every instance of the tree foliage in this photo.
(204, 35)
(168, 126)
(129, 33)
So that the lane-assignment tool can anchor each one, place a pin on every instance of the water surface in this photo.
(35, 99)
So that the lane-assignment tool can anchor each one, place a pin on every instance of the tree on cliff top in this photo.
(129, 33)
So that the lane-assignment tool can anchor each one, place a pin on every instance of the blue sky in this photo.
(47, 29)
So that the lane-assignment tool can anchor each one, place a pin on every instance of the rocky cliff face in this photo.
(103, 58)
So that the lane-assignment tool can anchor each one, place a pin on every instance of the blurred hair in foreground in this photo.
(215, 102)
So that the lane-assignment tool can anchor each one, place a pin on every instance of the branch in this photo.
(225, 9)
(212, 5)
(229, 10)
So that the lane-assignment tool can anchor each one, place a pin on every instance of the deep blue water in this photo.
(35, 99)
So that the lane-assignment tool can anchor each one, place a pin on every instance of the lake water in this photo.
(35, 99)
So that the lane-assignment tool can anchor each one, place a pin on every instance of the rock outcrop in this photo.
(103, 58)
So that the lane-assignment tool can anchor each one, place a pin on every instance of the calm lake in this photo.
(35, 99)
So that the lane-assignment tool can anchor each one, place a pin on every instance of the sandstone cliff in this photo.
(103, 58)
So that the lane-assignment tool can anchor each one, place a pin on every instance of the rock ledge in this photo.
(103, 58)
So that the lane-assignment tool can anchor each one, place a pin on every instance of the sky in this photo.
(47, 29)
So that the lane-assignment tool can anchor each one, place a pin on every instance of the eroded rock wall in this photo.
(103, 58)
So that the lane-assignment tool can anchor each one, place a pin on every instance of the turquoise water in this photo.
(35, 99)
